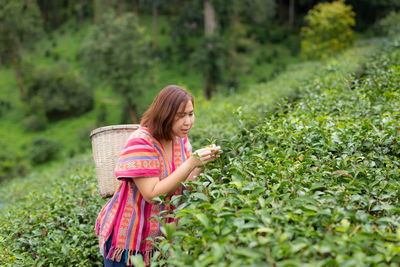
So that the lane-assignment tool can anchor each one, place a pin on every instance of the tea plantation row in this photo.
(314, 183)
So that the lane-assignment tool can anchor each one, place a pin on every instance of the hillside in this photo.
(312, 179)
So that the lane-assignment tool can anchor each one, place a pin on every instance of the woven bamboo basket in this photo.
(107, 144)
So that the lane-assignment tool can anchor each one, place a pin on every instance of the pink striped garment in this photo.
(127, 215)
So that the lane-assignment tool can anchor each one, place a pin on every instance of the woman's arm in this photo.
(152, 187)
(196, 172)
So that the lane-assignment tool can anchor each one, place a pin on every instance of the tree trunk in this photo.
(209, 87)
(209, 18)
(233, 55)
(98, 9)
(119, 7)
(281, 10)
(133, 113)
(135, 7)
(80, 11)
(291, 14)
(209, 29)
(18, 75)
(155, 17)
(101, 7)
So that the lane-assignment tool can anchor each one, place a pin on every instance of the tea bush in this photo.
(53, 227)
(263, 97)
(314, 183)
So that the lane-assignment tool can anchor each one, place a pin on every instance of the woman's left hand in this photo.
(208, 154)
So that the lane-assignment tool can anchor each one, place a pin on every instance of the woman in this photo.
(154, 162)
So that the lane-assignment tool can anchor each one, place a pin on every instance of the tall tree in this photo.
(117, 51)
(244, 18)
(187, 24)
(20, 24)
(80, 11)
(291, 13)
(153, 8)
(210, 60)
(281, 10)
(369, 11)
(101, 7)
(210, 73)
(209, 18)
(155, 18)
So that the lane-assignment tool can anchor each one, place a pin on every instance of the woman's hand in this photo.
(207, 154)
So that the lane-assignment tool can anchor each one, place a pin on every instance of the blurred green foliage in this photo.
(36, 121)
(20, 22)
(59, 92)
(4, 106)
(118, 52)
(43, 150)
(12, 164)
(327, 30)
(210, 59)
(389, 25)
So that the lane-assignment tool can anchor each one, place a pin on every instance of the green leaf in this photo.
(203, 220)
(169, 230)
(297, 247)
(317, 186)
(138, 260)
(200, 196)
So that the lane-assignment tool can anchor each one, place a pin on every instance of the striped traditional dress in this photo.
(127, 215)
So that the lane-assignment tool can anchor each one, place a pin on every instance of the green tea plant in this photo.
(216, 115)
(53, 224)
(315, 182)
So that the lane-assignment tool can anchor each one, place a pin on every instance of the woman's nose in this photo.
(187, 120)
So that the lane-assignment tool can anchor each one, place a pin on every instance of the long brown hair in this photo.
(159, 117)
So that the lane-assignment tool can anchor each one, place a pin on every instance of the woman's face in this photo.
(184, 119)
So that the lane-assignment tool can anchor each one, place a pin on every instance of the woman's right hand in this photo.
(207, 154)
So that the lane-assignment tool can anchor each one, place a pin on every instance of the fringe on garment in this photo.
(118, 254)
(97, 228)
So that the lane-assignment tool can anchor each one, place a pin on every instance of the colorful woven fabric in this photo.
(127, 215)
